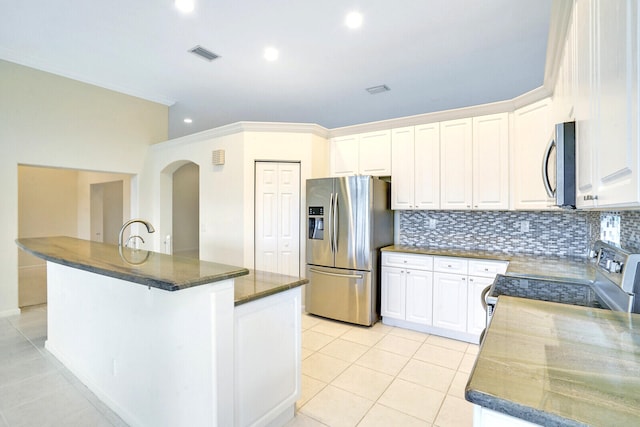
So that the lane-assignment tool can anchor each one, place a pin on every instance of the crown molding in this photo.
(240, 127)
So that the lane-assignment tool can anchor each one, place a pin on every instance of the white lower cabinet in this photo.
(435, 294)
(406, 292)
(476, 312)
(450, 301)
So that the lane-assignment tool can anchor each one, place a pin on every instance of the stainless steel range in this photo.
(616, 285)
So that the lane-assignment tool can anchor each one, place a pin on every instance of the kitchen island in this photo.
(167, 341)
(557, 365)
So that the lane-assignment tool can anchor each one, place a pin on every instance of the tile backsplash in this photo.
(561, 233)
(630, 230)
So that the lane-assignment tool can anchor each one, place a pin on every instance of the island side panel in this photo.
(268, 335)
(157, 358)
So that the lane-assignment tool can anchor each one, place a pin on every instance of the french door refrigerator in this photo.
(349, 220)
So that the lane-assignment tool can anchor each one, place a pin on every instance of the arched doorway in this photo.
(184, 207)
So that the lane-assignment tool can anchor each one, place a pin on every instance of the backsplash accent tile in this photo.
(630, 230)
(561, 233)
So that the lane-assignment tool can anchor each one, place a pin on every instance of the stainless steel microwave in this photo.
(559, 166)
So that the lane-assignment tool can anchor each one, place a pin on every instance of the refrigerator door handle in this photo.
(330, 224)
(335, 223)
(326, 273)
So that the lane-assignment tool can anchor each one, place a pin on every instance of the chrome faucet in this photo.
(147, 224)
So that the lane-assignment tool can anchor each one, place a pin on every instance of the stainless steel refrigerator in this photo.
(349, 220)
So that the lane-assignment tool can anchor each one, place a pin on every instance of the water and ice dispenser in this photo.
(316, 222)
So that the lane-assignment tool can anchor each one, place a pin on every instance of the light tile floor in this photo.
(35, 389)
(381, 376)
(351, 376)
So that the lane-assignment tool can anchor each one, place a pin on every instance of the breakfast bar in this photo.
(166, 340)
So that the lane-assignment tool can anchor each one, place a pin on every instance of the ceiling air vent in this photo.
(204, 53)
(378, 89)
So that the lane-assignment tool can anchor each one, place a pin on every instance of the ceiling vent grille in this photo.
(204, 53)
(378, 89)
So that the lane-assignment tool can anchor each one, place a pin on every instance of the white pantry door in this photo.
(277, 218)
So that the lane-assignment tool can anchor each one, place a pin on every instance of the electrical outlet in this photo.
(432, 223)
(524, 226)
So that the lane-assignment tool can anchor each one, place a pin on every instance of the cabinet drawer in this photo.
(487, 268)
(450, 265)
(416, 262)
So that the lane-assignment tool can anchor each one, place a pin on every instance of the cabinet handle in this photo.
(464, 278)
(408, 272)
(471, 280)
(449, 266)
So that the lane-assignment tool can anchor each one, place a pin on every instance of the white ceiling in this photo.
(433, 54)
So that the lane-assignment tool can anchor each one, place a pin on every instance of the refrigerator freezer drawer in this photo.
(340, 294)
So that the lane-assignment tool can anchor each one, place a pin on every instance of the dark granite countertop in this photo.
(571, 269)
(167, 272)
(259, 284)
(559, 365)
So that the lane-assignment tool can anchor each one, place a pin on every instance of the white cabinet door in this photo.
(450, 301)
(532, 132)
(456, 164)
(584, 102)
(393, 290)
(402, 168)
(491, 162)
(415, 171)
(476, 313)
(616, 154)
(344, 155)
(427, 166)
(419, 303)
(375, 153)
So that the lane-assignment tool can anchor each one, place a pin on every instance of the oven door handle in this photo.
(483, 297)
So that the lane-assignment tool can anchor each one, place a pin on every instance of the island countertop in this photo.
(167, 272)
(560, 365)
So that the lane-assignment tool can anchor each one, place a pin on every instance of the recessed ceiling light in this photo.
(188, 121)
(271, 54)
(185, 6)
(354, 20)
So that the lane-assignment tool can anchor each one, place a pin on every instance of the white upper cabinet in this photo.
(532, 132)
(491, 162)
(363, 154)
(601, 51)
(584, 101)
(415, 178)
(616, 83)
(375, 153)
(344, 155)
(475, 163)
(456, 164)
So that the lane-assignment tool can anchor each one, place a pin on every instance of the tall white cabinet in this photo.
(415, 166)
(475, 163)
(277, 219)
(610, 60)
(532, 131)
(456, 159)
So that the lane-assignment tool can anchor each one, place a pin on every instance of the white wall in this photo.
(47, 120)
(227, 191)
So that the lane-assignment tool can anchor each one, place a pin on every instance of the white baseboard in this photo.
(12, 312)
